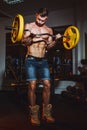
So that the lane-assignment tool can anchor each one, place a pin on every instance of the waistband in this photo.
(36, 58)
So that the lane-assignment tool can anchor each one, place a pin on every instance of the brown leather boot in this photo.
(46, 113)
(34, 115)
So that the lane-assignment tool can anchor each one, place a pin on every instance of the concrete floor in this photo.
(14, 113)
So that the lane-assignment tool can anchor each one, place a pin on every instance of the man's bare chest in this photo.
(40, 31)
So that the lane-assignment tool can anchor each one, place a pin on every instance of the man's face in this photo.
(40, 21)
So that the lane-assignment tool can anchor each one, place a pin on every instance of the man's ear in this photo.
(36, 14)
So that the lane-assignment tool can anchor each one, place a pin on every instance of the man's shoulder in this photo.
(49, 29)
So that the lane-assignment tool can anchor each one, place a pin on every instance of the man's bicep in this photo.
(26, 30)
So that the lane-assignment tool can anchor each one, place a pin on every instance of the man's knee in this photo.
(47, 85)
(32, 85)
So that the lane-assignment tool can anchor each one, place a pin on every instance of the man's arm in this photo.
(26, 38)
(51, 43)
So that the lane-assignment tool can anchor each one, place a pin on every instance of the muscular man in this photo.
(37, 65)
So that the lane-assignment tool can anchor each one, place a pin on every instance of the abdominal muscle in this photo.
(37, 49)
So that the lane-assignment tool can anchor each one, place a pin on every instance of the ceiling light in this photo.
(13, 1)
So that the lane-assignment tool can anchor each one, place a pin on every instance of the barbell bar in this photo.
(35, 35)
(10, 28)
(70, 37)
(14, 28)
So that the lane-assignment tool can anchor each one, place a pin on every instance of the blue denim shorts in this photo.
(36, 68)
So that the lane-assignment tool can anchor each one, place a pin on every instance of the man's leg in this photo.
(46, 92)
(31, 93)
(34, 108)
(47, 107)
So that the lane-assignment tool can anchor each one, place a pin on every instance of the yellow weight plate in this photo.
(17, 28)
(74, 35)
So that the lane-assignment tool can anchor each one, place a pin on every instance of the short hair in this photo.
(43, 12)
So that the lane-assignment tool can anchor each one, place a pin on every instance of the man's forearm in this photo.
(26, 41)
(52, 44)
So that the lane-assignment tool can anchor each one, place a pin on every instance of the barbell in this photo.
(70, 37)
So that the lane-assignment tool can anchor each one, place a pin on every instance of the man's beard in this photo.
(40, 25)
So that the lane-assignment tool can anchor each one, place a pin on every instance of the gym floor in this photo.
(14, 113)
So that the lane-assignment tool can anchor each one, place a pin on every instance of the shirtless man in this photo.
(36, 64)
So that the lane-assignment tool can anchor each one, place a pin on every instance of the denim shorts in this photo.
(36, 68)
